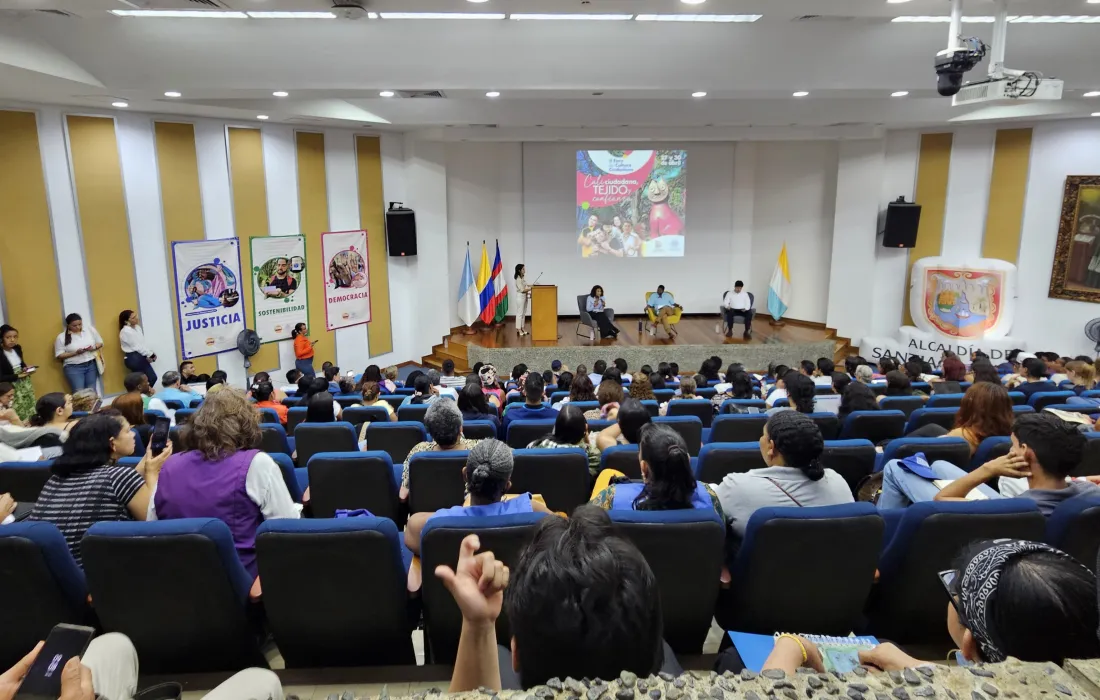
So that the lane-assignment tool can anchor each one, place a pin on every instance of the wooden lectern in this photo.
(544, 312)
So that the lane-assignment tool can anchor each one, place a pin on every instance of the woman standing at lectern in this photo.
(595, 307)
(523, 291)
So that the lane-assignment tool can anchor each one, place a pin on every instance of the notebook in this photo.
(839, 654)
(974, 495)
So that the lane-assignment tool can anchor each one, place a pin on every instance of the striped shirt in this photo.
(76, 502)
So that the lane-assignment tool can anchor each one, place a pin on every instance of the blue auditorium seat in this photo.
(595, 426)
(989, 449)
(273, 439)
(728, 404)
(717, 459)
(522, 433)
(949, 449)
(690, 429)
(1090, 461)
(195, 403)
(412, 412)
(357, 415)
(334, 591)
(1041, 399)
(944, 400)
(312, 438)
(506, 536)
(852, 459)
(394, 400)
(684, 549)
(396, 439)
(347, 400)
(827, 423)
(944, 417)
(267, 416)
(478, 429)
(739, 427)
(559, 474)
(353, 480)
(907, 605)
(700, 408)
(294, 416)
(172, 404)
(24, 480)
(184, 414)
(290, 476)
(623, 458)
(192, 613)
(875, 426)
(40, 585)
(1074, 528)
(1017, 410)
(435, 480)
(784, 548)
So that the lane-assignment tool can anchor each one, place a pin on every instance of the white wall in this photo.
(887, 292)
(1058, 149)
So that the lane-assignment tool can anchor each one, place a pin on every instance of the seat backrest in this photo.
(739, 427)
(40, 584)
(700, 408)
(478, 429)
(690, 429)
(852, 459)
(396, 439)
(875, 426)
(944, 417)
(267, 415)
(353, 480)
(717, 459)
(1090, 460)
(1041, 399)
(684, 550)
(412, 412)
(294, 416)
(943, 400)
(347, 400)
(582, 302)
(781, 546)
(184, 414)
(729, 404)
(273, 438)
(1074, 528)
(522, 432)
(908, 604)
(705, 392)
(559, 474)
(623, 458)
(435, 480)
(990, 449)
(394, 400)
(1019, 398)
(827, 423)
(357, 415)
(905, 404)
(949, 449)
(334, 591)
(290, 476)
(191, 615)
(506, 536)
(663, 395)
(24, 480)
(311, 438)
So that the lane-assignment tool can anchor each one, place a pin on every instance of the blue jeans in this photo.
(81, 376)
(136, 362)
(305, 367)
(901, 487)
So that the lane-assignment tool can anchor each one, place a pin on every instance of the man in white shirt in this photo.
(663, 306)
(736, 304)
(448, 379)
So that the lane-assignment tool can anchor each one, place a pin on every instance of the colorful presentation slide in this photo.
(631, 204)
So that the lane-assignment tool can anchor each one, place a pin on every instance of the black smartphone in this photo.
(43, 681)
(159, 438)
(97, 406)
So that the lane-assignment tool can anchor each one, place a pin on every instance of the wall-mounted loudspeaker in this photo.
(902, 221)
(400, 230)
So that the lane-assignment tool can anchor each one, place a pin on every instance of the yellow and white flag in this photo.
(779, 290)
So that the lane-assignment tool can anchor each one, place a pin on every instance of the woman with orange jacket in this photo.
(303, 350)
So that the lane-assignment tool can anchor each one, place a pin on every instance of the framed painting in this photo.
(1076, 272)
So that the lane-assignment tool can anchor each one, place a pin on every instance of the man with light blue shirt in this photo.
(663, 306)
(172, 391)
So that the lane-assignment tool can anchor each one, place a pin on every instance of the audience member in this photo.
(983, 371)
(263, 394)
(1035, 380)
(332, 374)
(686, 391)
(84, 401)
(488, 476)
(54, 410)
(580, 389)
(447, 377)
(851, 362)
(598, 368)
(222, 476)
(886, 365)
(321, 408)
(1082, 375)
(474, 405)
(423, 392)
(533, 407)
(8, 414)
(864, 374)
(841, 382)
(612, 374)
(130, 406)
(824, 374)
(188, 375)
(435, 378)
(953, 369)
(985, 411)
(620, 364)
(1045, 450)
(631, 416)
(173, 389)
(668, 482)
(137, 383)
(610, 394)
(565, 381)
(488, 375)
(897, 384)
(571, 430)
(310, 387)
(389, 381)
(641, 388)
(88, 486)
(800, 394)
(856, 397)
(444, 423)
(791, 446)
(779, 391)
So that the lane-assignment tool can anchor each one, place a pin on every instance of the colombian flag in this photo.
(485, 287)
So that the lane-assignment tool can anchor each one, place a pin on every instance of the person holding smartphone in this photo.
(136, 354)
(303, 350)
(15, 371)
(77, 348)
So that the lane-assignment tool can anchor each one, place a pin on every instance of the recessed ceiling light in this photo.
(896, 2)
(700, 93)
(386, 93)
(372, 15)
(281, 93)
(173, 93)
(442, 15)
(262, 117)
(801, 93)
(697, 18)
(1013, 19)
(120, 104)
(899, 93)
(592, 17)
(1094, 93)
(477, 1)
(693, 2)
(182, 14)
(291, 15)
(492, 93)
(1096, 114)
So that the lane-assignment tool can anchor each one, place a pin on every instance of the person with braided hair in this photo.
(791, 446)
(667, 479)
(488, 476)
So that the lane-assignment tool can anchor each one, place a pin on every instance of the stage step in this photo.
(456, 352)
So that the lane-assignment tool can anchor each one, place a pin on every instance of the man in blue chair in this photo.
(662, 305)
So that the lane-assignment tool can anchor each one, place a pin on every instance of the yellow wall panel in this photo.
(246, 174)
(105, 232)
(27, 259)
(313, 219)
(372, 217)
(932, 168)
(181, 204)
(1007, 188)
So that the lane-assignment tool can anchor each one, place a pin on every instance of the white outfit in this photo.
(88, 337)
(738, 301)
(265, 487)
(14, 361)
(113, 661)
(523, 291)
(132, 339)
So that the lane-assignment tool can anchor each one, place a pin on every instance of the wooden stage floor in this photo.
(692, 331)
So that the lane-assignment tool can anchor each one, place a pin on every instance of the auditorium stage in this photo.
(697, 340)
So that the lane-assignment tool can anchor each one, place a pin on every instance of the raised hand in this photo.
(477, 583)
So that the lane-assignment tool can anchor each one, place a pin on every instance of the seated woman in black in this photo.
(475, 406)
(857, 397)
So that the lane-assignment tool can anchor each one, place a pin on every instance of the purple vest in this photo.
(192, 487)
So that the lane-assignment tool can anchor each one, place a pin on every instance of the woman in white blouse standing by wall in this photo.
(77, 348)
(135, 353)
(523, 294)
